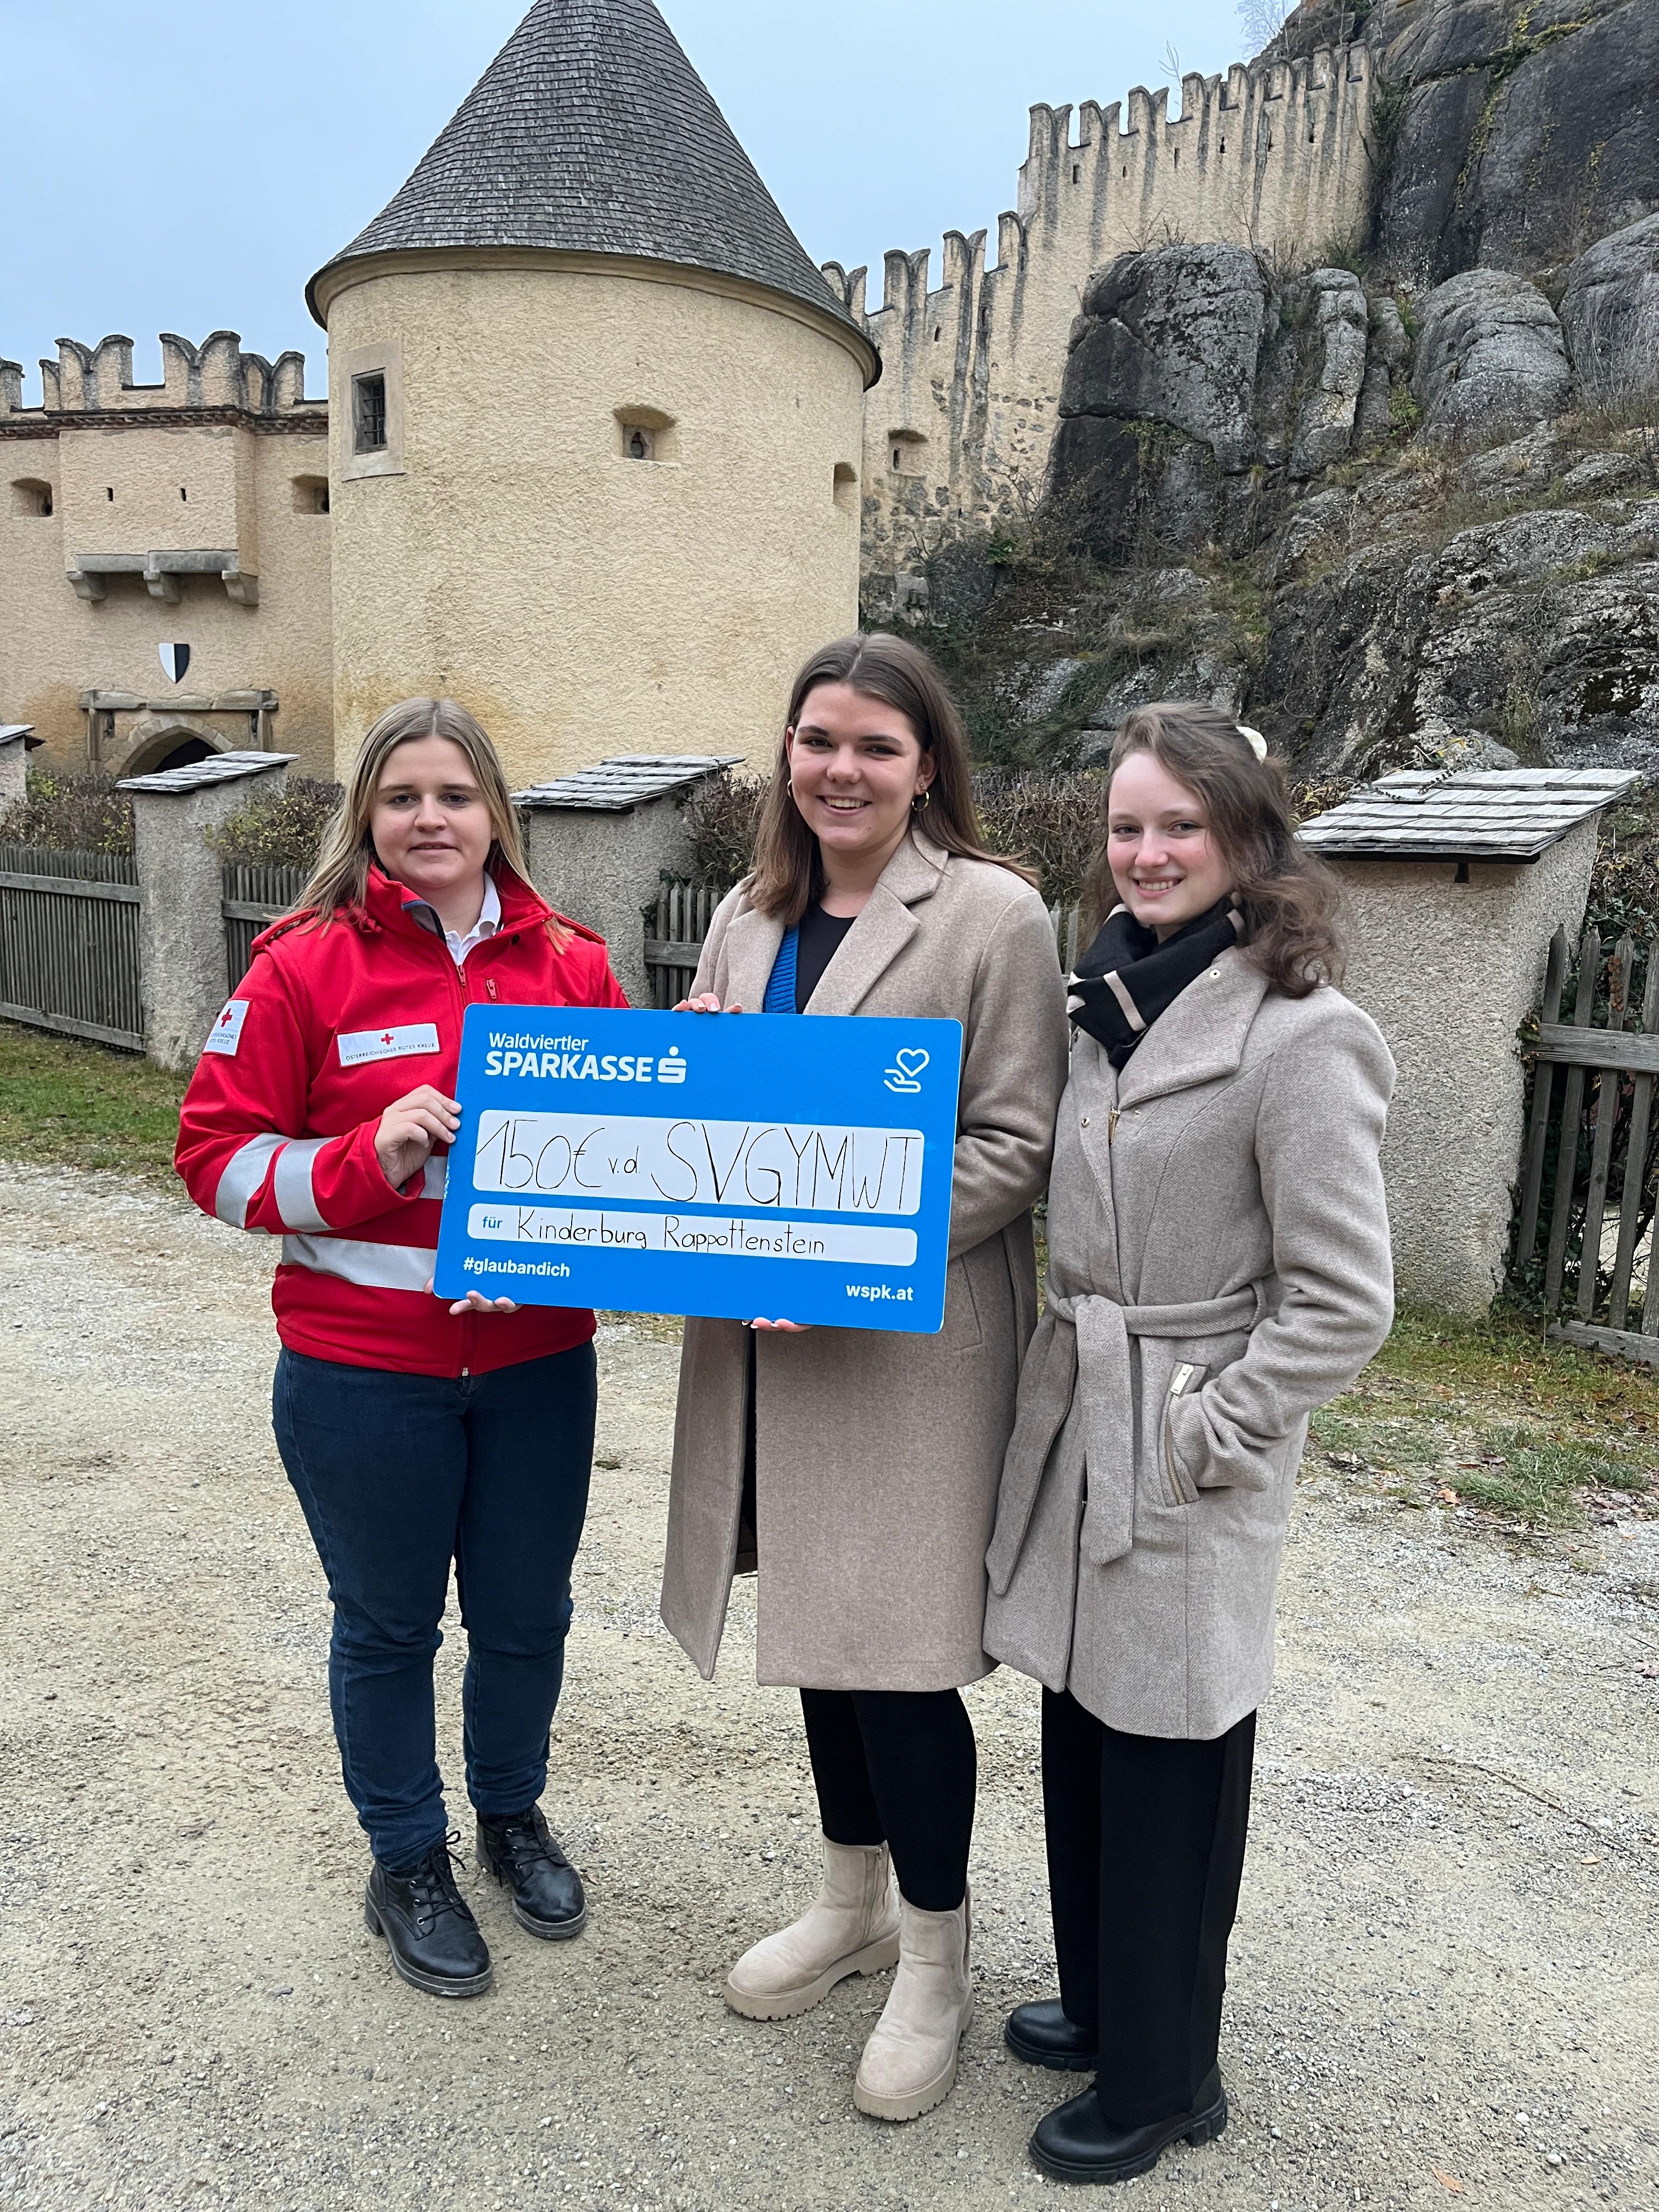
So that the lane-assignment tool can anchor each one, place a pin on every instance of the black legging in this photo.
(898, 1767)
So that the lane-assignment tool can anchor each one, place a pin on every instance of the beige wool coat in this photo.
(1219, 1267)
(878, 1453)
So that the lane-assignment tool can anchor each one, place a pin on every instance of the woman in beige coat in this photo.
(1219, 1267)
(860, 1467)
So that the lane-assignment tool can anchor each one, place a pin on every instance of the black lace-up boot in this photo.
(546, 1889)
(434, 1941)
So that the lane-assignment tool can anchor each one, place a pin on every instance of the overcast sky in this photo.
(186, 167)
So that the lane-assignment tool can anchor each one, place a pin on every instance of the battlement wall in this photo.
(97, 380)
(1275, 155)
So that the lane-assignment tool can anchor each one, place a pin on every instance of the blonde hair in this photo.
(340, 877)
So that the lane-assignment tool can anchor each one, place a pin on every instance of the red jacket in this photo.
(278, 1128)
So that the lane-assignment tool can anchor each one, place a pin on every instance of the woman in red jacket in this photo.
(414, 1432)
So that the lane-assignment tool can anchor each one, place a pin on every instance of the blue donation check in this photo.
(739, 1164)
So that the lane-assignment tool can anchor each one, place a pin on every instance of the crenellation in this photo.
(217, 374)
(1273, 155)
(287, 383)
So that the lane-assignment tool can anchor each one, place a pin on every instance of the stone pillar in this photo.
(181, 930)
(600, 840)
(13, 737)
(1448, 970)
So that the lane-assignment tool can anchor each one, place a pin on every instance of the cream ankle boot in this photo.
(851, 1927)
(910, 2064)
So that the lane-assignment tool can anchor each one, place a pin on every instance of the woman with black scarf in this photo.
(1219, 1267)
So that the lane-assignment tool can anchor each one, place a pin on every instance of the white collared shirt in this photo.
(488, 921)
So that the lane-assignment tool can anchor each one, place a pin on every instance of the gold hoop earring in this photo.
(919, 803)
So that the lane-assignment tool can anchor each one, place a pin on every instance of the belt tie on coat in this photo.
(1084, 1343)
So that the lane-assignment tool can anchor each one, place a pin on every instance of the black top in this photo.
(817, 944)
(591, 132)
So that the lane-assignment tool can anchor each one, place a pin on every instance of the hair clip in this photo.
(1253, 738)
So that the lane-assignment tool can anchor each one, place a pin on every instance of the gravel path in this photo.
(1444, 1981)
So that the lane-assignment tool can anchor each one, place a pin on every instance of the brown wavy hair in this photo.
(788, 871)
(1288, 896)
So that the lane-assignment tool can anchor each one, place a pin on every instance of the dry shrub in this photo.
(721, 818)
(285, 832)
(1623, 892)
(70, 813)
(1320, 795)
(1048, 820)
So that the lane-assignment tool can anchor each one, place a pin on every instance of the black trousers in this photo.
(898, 1767)
(1145, 1841)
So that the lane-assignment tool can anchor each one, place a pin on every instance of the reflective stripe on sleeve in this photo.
(434, 1177)
(244, 1172)
(376, 1267)
(290, 1186)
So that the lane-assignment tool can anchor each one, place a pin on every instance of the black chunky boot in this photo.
(546, 1889)
(1076, 2143)
(434, 1941)
(1041, 2035)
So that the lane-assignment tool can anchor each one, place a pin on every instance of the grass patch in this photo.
(1493, 1418)
(1527, 1477)
(69, 1104)
(1508, 1359)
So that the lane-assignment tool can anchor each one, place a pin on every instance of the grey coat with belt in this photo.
(1219, 1267)
(878, 1452)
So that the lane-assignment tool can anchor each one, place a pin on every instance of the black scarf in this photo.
(1126, 979)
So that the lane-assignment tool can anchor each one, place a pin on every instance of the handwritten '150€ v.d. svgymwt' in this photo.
(826, 1168)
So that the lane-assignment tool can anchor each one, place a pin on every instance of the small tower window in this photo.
(646, 434)
(1076, 173)
(183, 493)
(30, 496)
(109, 491)
(310, 494)
(909, 450)
(368, 412)
(845, 485)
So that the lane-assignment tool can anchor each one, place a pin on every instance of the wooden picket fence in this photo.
(1592, 1134)
(251, 899)
(674, 930)
(676, 927)
(69, 942)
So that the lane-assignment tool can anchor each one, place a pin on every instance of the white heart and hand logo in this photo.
(907, 1066)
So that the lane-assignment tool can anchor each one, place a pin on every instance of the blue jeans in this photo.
(397, 1475)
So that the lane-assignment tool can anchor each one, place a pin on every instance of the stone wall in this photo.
(1275, 155)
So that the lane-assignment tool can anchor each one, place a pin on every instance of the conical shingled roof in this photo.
(591, 132)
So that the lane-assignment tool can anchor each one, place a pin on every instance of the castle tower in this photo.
(596, 418)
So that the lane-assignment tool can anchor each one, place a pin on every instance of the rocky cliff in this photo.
(1403, 507)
